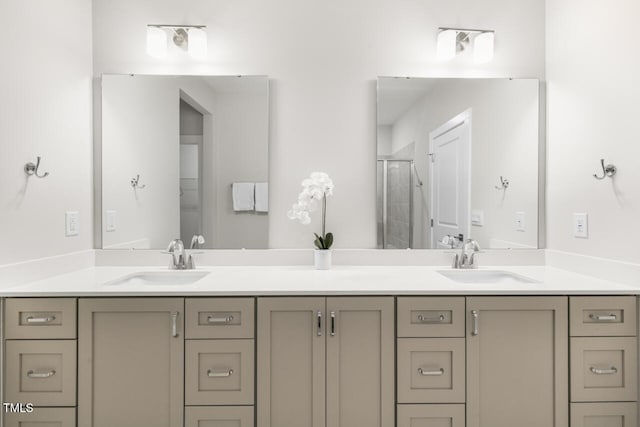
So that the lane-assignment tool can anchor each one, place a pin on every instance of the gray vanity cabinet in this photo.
(517, 361)
(325, 362)
(131, 362)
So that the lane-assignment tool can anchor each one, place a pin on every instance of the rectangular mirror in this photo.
(457, 159)
(184, 156)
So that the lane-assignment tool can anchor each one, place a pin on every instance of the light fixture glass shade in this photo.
(197, 43)
(446, 45)
(483, 47)
(156, 42)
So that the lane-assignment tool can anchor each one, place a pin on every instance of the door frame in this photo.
(464, 118)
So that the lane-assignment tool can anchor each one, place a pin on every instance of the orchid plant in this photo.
(315, 191)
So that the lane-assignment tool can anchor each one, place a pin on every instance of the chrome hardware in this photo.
(196, 241)
(452, 241)
(174, 324)
(597, 371)
(319, 333)
(333, 324)
(438, 319)
(504, 184)
(219, 374)
(40, 375)
(32, 169)
(607, 171)
(435, 373)
(603, 317)
(180, 259)
(466, 260)
(41, 319)
(135, 182)
(474, 323)
(226, 319)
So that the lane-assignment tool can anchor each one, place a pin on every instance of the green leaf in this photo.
(328, 240)
(317, 243)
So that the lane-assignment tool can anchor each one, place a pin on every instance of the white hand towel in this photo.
(243, 196)
(262, 197)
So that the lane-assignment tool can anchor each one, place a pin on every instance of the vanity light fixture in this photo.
(451, 41)
(191, 38)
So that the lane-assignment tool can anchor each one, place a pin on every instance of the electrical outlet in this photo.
(581, 225)
(520, 224)
(111, 221)
(72, 223)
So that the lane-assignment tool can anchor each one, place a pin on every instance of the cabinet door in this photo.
(517, 362)
(131, 362)
(360, 362)
(291, 362)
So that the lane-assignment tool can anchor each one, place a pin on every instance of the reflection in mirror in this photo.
(457, 159)
(184, 156)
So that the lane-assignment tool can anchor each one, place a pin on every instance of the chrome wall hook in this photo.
(135, 182)
(504, 184)
(32, 169)
(607, 171)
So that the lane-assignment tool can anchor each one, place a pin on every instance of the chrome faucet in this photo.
(178, 255)
(466, 259)
(180, 258)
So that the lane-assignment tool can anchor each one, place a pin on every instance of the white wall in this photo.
(45, 110)
(592, 70)
(323, 58)
(504, 141)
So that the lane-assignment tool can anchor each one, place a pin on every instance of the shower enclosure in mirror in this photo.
(458, 159)
(184, 156)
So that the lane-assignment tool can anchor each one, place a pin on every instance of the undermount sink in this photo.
(171, 278)
(485, 276)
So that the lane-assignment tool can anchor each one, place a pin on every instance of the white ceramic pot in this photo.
(322, 259)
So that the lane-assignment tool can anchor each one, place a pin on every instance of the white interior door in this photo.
(450, 152)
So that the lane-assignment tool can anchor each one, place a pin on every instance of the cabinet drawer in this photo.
(431, 317)
(41, 372)
(604, 414)
(431, 370)
(43, 417)
(431, 416)
(602, 316)
(40, 318)
(219, 372)
(603, 369)
(221, 416)
(219, 318)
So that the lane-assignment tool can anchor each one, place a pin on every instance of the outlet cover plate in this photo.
(72, 223)
(581, 225)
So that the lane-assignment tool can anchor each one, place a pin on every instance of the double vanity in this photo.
(289, 346)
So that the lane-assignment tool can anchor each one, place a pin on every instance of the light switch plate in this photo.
(72, 223)
(520, 224)
(111, 221)
(581, 225)
(477, 218)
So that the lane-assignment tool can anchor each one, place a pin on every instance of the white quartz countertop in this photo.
(304, 280)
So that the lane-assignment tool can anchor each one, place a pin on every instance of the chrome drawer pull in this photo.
(319, 333)
(226, 319)
(474, 323)
(174, 324)
(34, 374)
(438, 319)
(603, 317)
(219, 374)
(436, 373)
(598, 371)
(41, 319)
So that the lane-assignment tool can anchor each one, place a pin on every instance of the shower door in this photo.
(395, 204)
